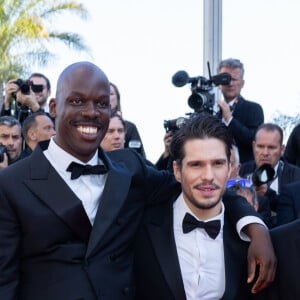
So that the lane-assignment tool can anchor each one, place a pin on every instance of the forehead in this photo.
(38, 80)
(115, 122)
(267, 136)
(43, 120)
(236, 72)
(14, 130)
(83, 80)
(205, 149)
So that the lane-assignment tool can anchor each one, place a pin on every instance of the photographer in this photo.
(20, 104)
(10, 140)
(267, 149)
(241, 116)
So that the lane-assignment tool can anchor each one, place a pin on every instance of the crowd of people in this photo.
(212, 218)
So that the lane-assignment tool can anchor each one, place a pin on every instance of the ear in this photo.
(52, 107)
(31, 135)
(177, 171)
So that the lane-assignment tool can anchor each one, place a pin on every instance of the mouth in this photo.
(88, 130)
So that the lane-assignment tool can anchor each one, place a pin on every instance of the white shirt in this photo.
(201, 258)
(87, 188)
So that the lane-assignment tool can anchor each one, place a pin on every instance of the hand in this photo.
(10, 88)
(4, 163)
(167, 142)
(260, 253)
(261, 190)
(225, 108)
(28, 100)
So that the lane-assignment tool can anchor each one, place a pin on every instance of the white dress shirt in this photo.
(201, 258)
(87, 188)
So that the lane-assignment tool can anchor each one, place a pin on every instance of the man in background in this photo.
(10, 139)
(241, 116)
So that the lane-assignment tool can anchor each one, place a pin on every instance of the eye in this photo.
(103, 104)
(75, 100)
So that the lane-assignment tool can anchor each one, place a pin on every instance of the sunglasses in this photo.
(239, 182)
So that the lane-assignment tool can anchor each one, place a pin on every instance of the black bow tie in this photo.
(211, 227)
(77, 169)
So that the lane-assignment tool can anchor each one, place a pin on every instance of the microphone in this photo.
(180, 78)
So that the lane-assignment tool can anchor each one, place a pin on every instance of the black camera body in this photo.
(263, 175)
(174, 124)
(2, 151)
(202, 99)
(25, 86)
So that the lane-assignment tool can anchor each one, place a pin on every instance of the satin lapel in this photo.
(50, 188)
(233, 264)
(161, 233)
(114, 195)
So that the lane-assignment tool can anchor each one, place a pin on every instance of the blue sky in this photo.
(140, 44)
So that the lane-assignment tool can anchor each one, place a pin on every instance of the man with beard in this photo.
(36, 100)
(187, 248)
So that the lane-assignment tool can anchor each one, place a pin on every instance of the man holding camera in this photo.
(241, 116)
(30, 96)
(267, 149)
(10, 140)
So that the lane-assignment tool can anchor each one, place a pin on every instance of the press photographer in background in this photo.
(268, 149)
(23, 97)
(241, 116)
(10, 140)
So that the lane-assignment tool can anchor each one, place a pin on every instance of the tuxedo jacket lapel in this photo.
(160, 229)
(235, 257)
(114, 195)
(50, 188)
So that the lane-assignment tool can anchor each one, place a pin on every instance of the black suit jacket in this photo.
(48, 248)
(247, 116)
(288, 208)
(157, 266)
(286, 241)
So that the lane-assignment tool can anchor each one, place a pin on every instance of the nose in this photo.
(90, 110)
(207, 174)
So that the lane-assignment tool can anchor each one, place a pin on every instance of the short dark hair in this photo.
(30, 122)
(42, 76)
(200, 126)
(116, 115)
(232, 63)
(271, 127)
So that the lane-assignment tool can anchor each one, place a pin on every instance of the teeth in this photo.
(87, 130)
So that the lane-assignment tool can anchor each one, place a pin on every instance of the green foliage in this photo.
(26, 32)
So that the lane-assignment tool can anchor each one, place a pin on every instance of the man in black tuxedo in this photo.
(69, 212)
(187, 248)
(241, 116)
(268, 148)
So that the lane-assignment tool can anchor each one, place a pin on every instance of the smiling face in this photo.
(203, 175)
(81, 109)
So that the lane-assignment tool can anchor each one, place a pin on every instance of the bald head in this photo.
(79, 71)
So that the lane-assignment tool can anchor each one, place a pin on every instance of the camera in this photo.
(202, 99)
(263, 175)
(2, 151)
(25, 86)
(175, 124)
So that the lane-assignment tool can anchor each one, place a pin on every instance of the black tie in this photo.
(211, 227)
(77, 169)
